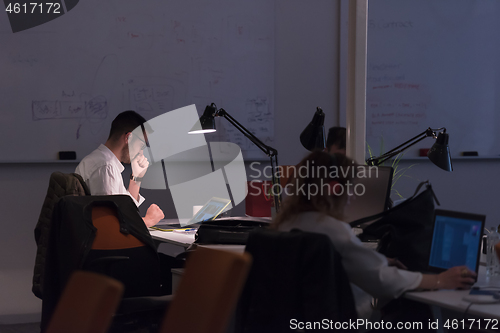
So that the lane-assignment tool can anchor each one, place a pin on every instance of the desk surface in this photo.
(453, 299)
(450, 299)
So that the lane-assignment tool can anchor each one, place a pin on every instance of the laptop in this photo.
(213, 208)
(372, 189)
(456, 240)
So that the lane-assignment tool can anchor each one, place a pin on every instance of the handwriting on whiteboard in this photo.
(94, 109)
(259, 121)
(390, 24)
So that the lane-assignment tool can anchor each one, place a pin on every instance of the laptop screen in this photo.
(210, 210)
(456, 240)
(371, 190)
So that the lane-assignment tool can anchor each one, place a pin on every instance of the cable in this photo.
(467, 310)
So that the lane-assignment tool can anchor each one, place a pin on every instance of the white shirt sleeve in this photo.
(107, 180)
(368, 269)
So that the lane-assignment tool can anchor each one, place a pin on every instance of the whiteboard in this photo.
(63, 82)
(433, 64)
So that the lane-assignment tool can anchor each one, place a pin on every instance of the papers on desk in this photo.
(178, 230)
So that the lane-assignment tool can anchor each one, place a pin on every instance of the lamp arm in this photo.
(269, 151)
(375, 161)
(276, 181)
(381, 159)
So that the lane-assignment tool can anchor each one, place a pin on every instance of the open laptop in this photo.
(213, 208)
(373, 186)
(456, 240)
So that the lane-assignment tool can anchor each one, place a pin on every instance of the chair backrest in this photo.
(60, 185)
(108, 235)
(121, 255)
(295, 275)
(208, 292)
(69, 249)
(87, 304)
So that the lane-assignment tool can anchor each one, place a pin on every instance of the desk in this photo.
(448, 299)
(172, 243)
(177, 272)
(177, 242)
(183, 241)
(453, 300)
(175, 238)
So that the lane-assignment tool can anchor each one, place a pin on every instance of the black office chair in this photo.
(106, 234)
(295, 275)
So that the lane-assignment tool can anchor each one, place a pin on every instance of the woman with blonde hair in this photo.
(320, 188)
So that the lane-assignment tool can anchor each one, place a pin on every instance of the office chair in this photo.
(105, 234)
(122, 255)
(208, 292)
(126, 258)
(87, 304)
(60, 185)
(295, 275)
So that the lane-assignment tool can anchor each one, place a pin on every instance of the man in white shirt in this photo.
(101, 170)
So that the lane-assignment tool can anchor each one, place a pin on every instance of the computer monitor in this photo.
(371, 192)
(456, 240)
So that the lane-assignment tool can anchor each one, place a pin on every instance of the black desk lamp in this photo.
(439, 154)
(207, 123)
(313, 136)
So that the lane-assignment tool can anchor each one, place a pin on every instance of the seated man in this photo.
(101, 170)
(336, 140)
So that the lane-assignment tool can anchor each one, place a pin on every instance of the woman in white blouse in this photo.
(315, 199)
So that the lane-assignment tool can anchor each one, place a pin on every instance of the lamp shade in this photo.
(439, 154)
(207, 121)
(313, 136)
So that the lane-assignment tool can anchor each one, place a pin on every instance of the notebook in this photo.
(456, 240)
(372, 189)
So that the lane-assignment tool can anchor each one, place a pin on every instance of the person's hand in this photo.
(459, 277)
(395, 262)
(140, 165)
(153, 215)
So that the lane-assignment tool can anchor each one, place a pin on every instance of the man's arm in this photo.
(139, 165)
(133, 189)
(153, 215)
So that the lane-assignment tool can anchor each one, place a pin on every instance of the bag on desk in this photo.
(229, 230)
(405, 231)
